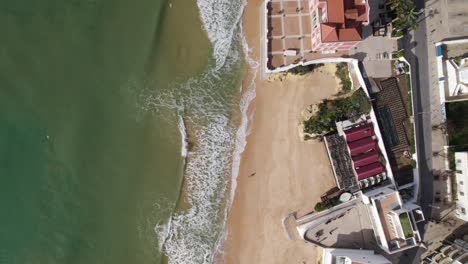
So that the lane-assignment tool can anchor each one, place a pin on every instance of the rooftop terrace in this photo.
(341, 162)
(391, 110)
(393, 220)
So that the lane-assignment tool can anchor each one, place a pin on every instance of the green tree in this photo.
(406, 14)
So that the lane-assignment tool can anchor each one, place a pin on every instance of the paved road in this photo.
(416, 51)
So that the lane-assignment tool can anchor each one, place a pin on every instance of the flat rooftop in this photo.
(341, 162)
(352, 229)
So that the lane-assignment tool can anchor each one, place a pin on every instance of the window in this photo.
(462, 193)
(461, 182)
(463, 210)
(459, 172)
(458, 160)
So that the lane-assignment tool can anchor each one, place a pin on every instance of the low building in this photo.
(299, 32)
(337, 24)
(363, 173)
(452, 252)
(461, 174)
(355, 155)
(394, 222)
(452, 68)
(351, 256)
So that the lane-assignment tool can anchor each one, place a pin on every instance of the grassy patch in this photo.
(406, 225)
(409, 104)
(302, 70)
(342, 72)
(453, 179)
(400, 53)
(331, 111)
(412, 144)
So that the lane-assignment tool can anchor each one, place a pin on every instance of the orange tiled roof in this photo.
(344, 20)
(349, 34)
(335, 9)
(329, 33)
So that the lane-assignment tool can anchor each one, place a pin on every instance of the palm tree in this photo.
(407, 16)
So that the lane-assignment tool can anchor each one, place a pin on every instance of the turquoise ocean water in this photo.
(110, 111)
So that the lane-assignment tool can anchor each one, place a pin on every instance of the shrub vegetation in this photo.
(457, 123)
(302, 70)
(342, 72)
(331, 111)
(319, 207)
(406, 15)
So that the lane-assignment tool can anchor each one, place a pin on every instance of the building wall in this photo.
(461, 160)
(331, 255)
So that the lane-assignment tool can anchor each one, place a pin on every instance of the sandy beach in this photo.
(279, 173)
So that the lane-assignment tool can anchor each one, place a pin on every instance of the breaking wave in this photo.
(183, 135)
(221, 21)
(209, 105)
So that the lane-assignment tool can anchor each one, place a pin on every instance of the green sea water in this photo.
(84, 167)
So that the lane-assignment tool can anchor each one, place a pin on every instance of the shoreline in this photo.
(275, 167)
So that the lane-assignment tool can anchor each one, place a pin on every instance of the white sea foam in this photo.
(221, 20)
(241, 135)
(183, 135)
(192, 235)
(243, 131)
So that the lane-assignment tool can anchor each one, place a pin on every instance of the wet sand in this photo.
(279, 173)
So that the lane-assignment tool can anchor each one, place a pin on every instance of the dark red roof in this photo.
(366, 158)
(362, 145)
(359, 132)
(370, 170)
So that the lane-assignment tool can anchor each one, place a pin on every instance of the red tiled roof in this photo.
(359, 132)
(366, 158)
(328, 33)
(335, 9)
(370, 170)
(349, 34)
(345, 18)
(362, 145)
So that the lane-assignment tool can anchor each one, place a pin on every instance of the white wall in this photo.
(355, 255)
(461, 160)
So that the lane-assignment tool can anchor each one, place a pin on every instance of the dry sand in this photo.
(279, 173)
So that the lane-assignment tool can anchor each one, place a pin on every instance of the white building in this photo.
(461, 159)
(351, 256)
(394, 222)
(452, 69)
